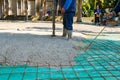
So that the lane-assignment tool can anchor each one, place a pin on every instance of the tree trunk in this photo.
(19, 7)
(79, 15)
(31, 7)
(95, 4)
(12, 7)
(25, 7)
(0, 8)
(45, 7)
(6, 8)
(37, 6)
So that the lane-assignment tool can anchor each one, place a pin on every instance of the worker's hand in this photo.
(62, 10)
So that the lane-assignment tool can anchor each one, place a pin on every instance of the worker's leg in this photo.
(97, 20)
(69, 23)
(64, 25)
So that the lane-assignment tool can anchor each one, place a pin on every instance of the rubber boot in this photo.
(64, 32)
(69, 32)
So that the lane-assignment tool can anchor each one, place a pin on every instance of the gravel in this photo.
(24, 42)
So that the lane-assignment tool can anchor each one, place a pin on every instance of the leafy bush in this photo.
(88, 6)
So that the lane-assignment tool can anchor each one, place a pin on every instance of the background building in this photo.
(24, 7)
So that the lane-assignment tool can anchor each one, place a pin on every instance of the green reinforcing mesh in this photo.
(100, 62)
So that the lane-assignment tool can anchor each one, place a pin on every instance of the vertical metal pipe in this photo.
(54, 14)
